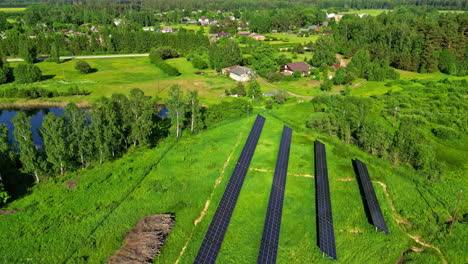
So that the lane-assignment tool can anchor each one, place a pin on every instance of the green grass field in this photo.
(88, 224)
(120, 75)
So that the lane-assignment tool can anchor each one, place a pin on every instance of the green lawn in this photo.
(120, 75)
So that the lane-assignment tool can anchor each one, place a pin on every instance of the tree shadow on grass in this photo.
(47, 77)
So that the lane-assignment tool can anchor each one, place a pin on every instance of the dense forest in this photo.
(257, 4)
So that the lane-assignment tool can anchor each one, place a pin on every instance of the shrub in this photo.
(165, 52)
(27, 73)
(199, 63)
(445, 133)
(83, 67)
(164, 66)
(280, 96)
(326, 85)
(297, 74)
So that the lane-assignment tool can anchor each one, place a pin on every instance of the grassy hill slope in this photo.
(88, 224)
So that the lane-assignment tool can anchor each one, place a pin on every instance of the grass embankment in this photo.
(120, 75)
(89, 223)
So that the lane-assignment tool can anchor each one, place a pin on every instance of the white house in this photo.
(238, 73)
(204, 20)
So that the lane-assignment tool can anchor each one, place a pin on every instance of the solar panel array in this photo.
(271, 228)
(370, 198)
(326, 234)
(214, 236)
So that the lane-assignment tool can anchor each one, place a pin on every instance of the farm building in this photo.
(238, 73)
(290, 68)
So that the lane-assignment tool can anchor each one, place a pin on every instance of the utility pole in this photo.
(454, 216)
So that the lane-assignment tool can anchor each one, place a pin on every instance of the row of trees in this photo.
(119, 40)
(80, 138)
(247, 4)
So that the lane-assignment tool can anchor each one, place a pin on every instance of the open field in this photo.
(87, 224)
(120, 75)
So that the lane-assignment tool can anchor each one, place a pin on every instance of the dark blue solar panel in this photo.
(326, 234)
(214, 236)
(271, 229)
(370, 198)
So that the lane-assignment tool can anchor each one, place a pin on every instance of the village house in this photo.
(257, 37)
(167, 29)
(204, 20)
(238, 73)
(291, 68)
(117, 21)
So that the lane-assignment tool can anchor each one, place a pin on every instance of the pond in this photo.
(37, 116)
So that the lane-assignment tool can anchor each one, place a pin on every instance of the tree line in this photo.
(249, 4)
(124, 39)
(81, 138)
(407, 38)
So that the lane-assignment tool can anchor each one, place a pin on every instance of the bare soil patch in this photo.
(8, 212)
(72, 184)
(144, 242)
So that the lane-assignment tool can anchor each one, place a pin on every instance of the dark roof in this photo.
(298, 66)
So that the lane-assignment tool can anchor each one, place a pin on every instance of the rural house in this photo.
(238, 73)
(167, 29)
(290, 68)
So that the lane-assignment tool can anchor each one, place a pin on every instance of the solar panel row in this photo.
(214, 236)
(370, 198)
(326, 234)
(271, 230)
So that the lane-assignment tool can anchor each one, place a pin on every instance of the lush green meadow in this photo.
(87, 224)
(121, 75)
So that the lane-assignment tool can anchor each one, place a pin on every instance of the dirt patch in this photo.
(345, 179)
(8, 212)
(351, 231)
(144, 241)
(198, 83)
(72, 184)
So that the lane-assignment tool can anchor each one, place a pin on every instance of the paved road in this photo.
(91, 57)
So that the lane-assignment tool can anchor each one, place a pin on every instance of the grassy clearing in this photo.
(120, 75)
(55, 223)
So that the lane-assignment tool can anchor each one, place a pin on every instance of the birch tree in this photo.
(195, 116)
(54, 133)
(29, 155)
(175, 105)
(141, 110)
(77, 137)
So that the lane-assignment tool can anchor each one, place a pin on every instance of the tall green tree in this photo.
(28, 154)
(54, 133)
(324, 53)
(54, 55)
(141, 111)
(78, 136)
(176, 106)
(27, 50)
(253, 90)
(6, 157)
(106, 129)
(195, 115)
